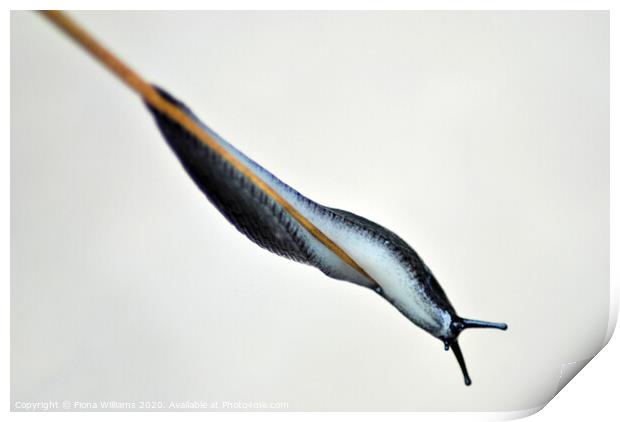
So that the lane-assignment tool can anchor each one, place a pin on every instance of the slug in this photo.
(341, 244)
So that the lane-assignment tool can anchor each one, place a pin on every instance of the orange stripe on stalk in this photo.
(152, 97)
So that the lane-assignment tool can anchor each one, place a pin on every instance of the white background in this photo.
(496, 126)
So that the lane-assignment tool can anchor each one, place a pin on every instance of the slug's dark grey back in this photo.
(248, 208)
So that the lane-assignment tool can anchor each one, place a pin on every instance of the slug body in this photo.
(383, 261)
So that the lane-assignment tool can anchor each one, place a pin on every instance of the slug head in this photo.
(459, 324)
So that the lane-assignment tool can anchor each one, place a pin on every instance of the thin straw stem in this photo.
(152, 97)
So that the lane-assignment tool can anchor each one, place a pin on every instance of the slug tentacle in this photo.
(473, 323)
(459, 357)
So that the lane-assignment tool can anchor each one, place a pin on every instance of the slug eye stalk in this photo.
(459, 357)
(473, 323)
